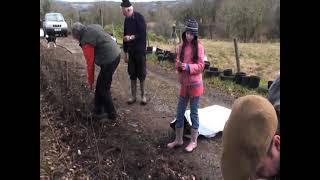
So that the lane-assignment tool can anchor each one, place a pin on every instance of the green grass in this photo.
(262, 59)
(232, 88)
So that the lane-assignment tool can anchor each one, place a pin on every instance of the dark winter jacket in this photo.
(135, 25)
(106, 49)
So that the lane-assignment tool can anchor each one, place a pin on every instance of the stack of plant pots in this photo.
(250, 81)
(149, 50)
(238, 77)
(159, 51)
(206, 65)
(227, 75)
(211, 71)
(254, 82)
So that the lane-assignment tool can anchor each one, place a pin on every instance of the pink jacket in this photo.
(193, 78)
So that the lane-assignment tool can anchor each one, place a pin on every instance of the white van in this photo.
(55, 24)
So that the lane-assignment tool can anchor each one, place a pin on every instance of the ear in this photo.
(276, 141)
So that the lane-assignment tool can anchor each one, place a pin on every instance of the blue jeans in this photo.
(182, 105)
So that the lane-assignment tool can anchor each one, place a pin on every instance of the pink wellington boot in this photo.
(178, 140)
(193, 143)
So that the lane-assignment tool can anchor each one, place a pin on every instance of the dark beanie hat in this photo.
(192, 25)
(125, 3)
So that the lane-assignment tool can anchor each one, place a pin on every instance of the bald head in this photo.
(247, 135)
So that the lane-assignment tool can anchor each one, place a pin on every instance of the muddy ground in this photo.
(76, 146)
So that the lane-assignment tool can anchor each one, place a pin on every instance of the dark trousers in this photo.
(137, 66)
(103, 99)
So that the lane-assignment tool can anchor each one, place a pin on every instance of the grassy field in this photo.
(261, 59)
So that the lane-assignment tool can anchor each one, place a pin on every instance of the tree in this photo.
(110, 13)
(204, 11)
(45, 7)
(164, 21)
(243, 18)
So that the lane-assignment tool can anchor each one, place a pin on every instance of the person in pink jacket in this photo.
(190, 65)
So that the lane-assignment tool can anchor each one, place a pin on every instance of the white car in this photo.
(55, 24)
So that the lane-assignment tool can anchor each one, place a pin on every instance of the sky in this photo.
(114, 0)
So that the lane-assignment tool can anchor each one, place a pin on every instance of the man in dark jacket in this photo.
(134, 46)
(99, 48)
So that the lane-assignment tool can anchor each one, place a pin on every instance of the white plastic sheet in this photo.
(41, 32)
(211, 119)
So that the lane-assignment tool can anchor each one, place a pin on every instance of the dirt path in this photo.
(133, 147)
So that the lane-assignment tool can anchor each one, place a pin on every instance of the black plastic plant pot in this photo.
(172, 56)
(159, 51)
(227, 72)
(238, 77)
(206, 65)
(254, 82)
(166, 56)
(208, 73)
(240, 73)
(216, 73)
(172, 59)
(225, 78)
(160, 57)
(245, 80)
(213, 69)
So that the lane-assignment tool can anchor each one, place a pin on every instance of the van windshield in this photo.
(54, 17)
